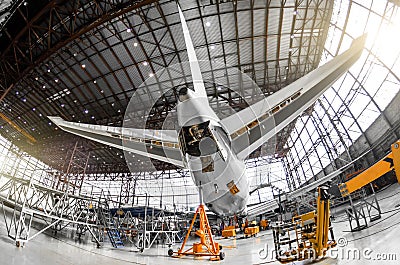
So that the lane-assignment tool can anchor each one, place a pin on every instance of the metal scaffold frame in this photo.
(356, 210)
(56, 209)
(27, 193)
(157, 226)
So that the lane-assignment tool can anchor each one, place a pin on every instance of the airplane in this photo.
(213, 149)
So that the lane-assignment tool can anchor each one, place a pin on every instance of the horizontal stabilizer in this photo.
(253, 126)
(158, 144)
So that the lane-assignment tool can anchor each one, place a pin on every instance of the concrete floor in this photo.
(374, 244)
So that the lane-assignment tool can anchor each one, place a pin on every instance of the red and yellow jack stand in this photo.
(206, 246)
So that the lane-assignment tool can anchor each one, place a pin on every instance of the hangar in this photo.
(130, 130)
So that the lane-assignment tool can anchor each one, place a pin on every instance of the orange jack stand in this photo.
(206, 246)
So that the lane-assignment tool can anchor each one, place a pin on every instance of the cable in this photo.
(377, 232)
(389, 211)
(397, 211)
(389, 196)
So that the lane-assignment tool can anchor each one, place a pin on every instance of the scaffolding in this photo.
(367, 206)
(30, 191)
(156, 226)
(28, 199)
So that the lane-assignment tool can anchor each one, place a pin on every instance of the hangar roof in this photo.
(85, 60)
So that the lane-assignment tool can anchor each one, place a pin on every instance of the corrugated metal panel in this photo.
(259, 49)
(271, 47)
(149, 44)
(212, 32)
(284, 46)
(245, 51)
(169, 8)
(123, 79)
(122, 55)
(242, 5)
(110, 59)
(244, 24)
(287, 20)
(134, 75)
(273, 21)
(136, 51)
(176, 31)
(259, 22)
(202, 53)
(228, 25)
(196, 33)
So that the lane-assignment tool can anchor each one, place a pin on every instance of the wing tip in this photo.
(55, 119)
(359, 42)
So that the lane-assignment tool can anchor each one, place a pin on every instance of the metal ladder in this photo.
(110, 226)
(112, 232)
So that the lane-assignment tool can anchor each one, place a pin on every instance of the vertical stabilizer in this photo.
(198, 83)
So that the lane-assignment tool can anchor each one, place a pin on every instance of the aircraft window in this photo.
(274, 110)
(252, 124)
(295, 95)
(263, 117)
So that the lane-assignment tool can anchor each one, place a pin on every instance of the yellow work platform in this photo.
(251, 231)
(228, 233)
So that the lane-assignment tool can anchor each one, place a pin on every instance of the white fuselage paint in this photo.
(225, 189)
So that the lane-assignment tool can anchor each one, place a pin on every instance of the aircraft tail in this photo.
(198, 84)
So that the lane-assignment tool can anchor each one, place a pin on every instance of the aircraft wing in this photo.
(253, 126)
(162, 145)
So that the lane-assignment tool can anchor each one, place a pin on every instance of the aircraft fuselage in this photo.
(213, 165)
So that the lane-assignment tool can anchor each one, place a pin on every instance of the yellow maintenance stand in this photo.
(207, 247)
(308, 236)
(355, 213)
(383, 166)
